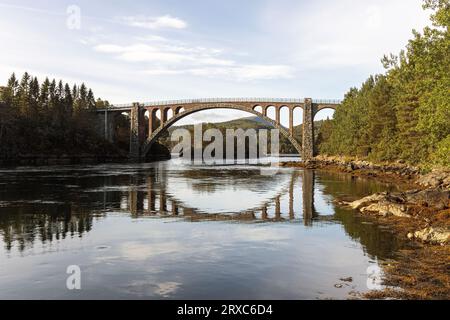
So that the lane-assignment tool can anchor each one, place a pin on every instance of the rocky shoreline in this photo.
(419, 215)
(423, 209)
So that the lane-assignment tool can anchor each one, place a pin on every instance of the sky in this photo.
(138, 51)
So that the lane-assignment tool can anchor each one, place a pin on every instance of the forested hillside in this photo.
(48, 119)
(403, 114)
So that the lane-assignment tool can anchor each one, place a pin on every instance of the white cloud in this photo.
(152, 38)
(154, 23)
(239, 72)
(163, 53)
(167, 59)
(245, 72)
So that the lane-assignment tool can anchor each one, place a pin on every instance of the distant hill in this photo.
(248, 122)
(253, 122)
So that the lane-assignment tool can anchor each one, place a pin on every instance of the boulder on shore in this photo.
(358, 204)
(436, 198)
(386, 208)
(435, 179)
(433, 235)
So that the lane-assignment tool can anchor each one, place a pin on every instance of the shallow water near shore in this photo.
(174, 230)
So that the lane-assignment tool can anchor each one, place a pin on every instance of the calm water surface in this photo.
(172, 230)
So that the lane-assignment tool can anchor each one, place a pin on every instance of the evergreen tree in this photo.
(23, 95)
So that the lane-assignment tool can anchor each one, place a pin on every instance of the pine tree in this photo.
(23, 95)
(10, 92)
(68, 101)
(44, 98)
(34, 97)
(90, 100)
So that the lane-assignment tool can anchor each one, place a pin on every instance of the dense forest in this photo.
(403, 114)
(48, 119)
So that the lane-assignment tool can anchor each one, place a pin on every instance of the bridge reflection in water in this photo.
(72, 203)
(156, 201)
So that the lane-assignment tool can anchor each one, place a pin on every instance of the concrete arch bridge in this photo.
(173, 111)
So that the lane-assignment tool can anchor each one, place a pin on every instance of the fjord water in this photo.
(174, 230)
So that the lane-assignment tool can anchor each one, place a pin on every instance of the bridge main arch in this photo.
(153, 137)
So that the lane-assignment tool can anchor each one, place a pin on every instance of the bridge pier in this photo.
(308, 130)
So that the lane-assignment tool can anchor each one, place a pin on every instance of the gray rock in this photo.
(386, 208)
(436, 198)
(434, 179)
(433, 235)
(358, 204)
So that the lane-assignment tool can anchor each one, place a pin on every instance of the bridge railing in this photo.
(219, 100)
(227, 100)
(327, 101)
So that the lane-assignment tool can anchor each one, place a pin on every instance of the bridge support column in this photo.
(151, 121)
(291, 121)
(308, 130)
(278, 114)
(136, 119)
(163, 116)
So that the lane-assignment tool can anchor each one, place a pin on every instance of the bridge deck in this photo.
(128, 106)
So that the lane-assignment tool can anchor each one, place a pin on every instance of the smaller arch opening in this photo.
(258, 109)
(272, 112)
(158, 114)
(298, 123)
(169, 114)
(284, 116)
